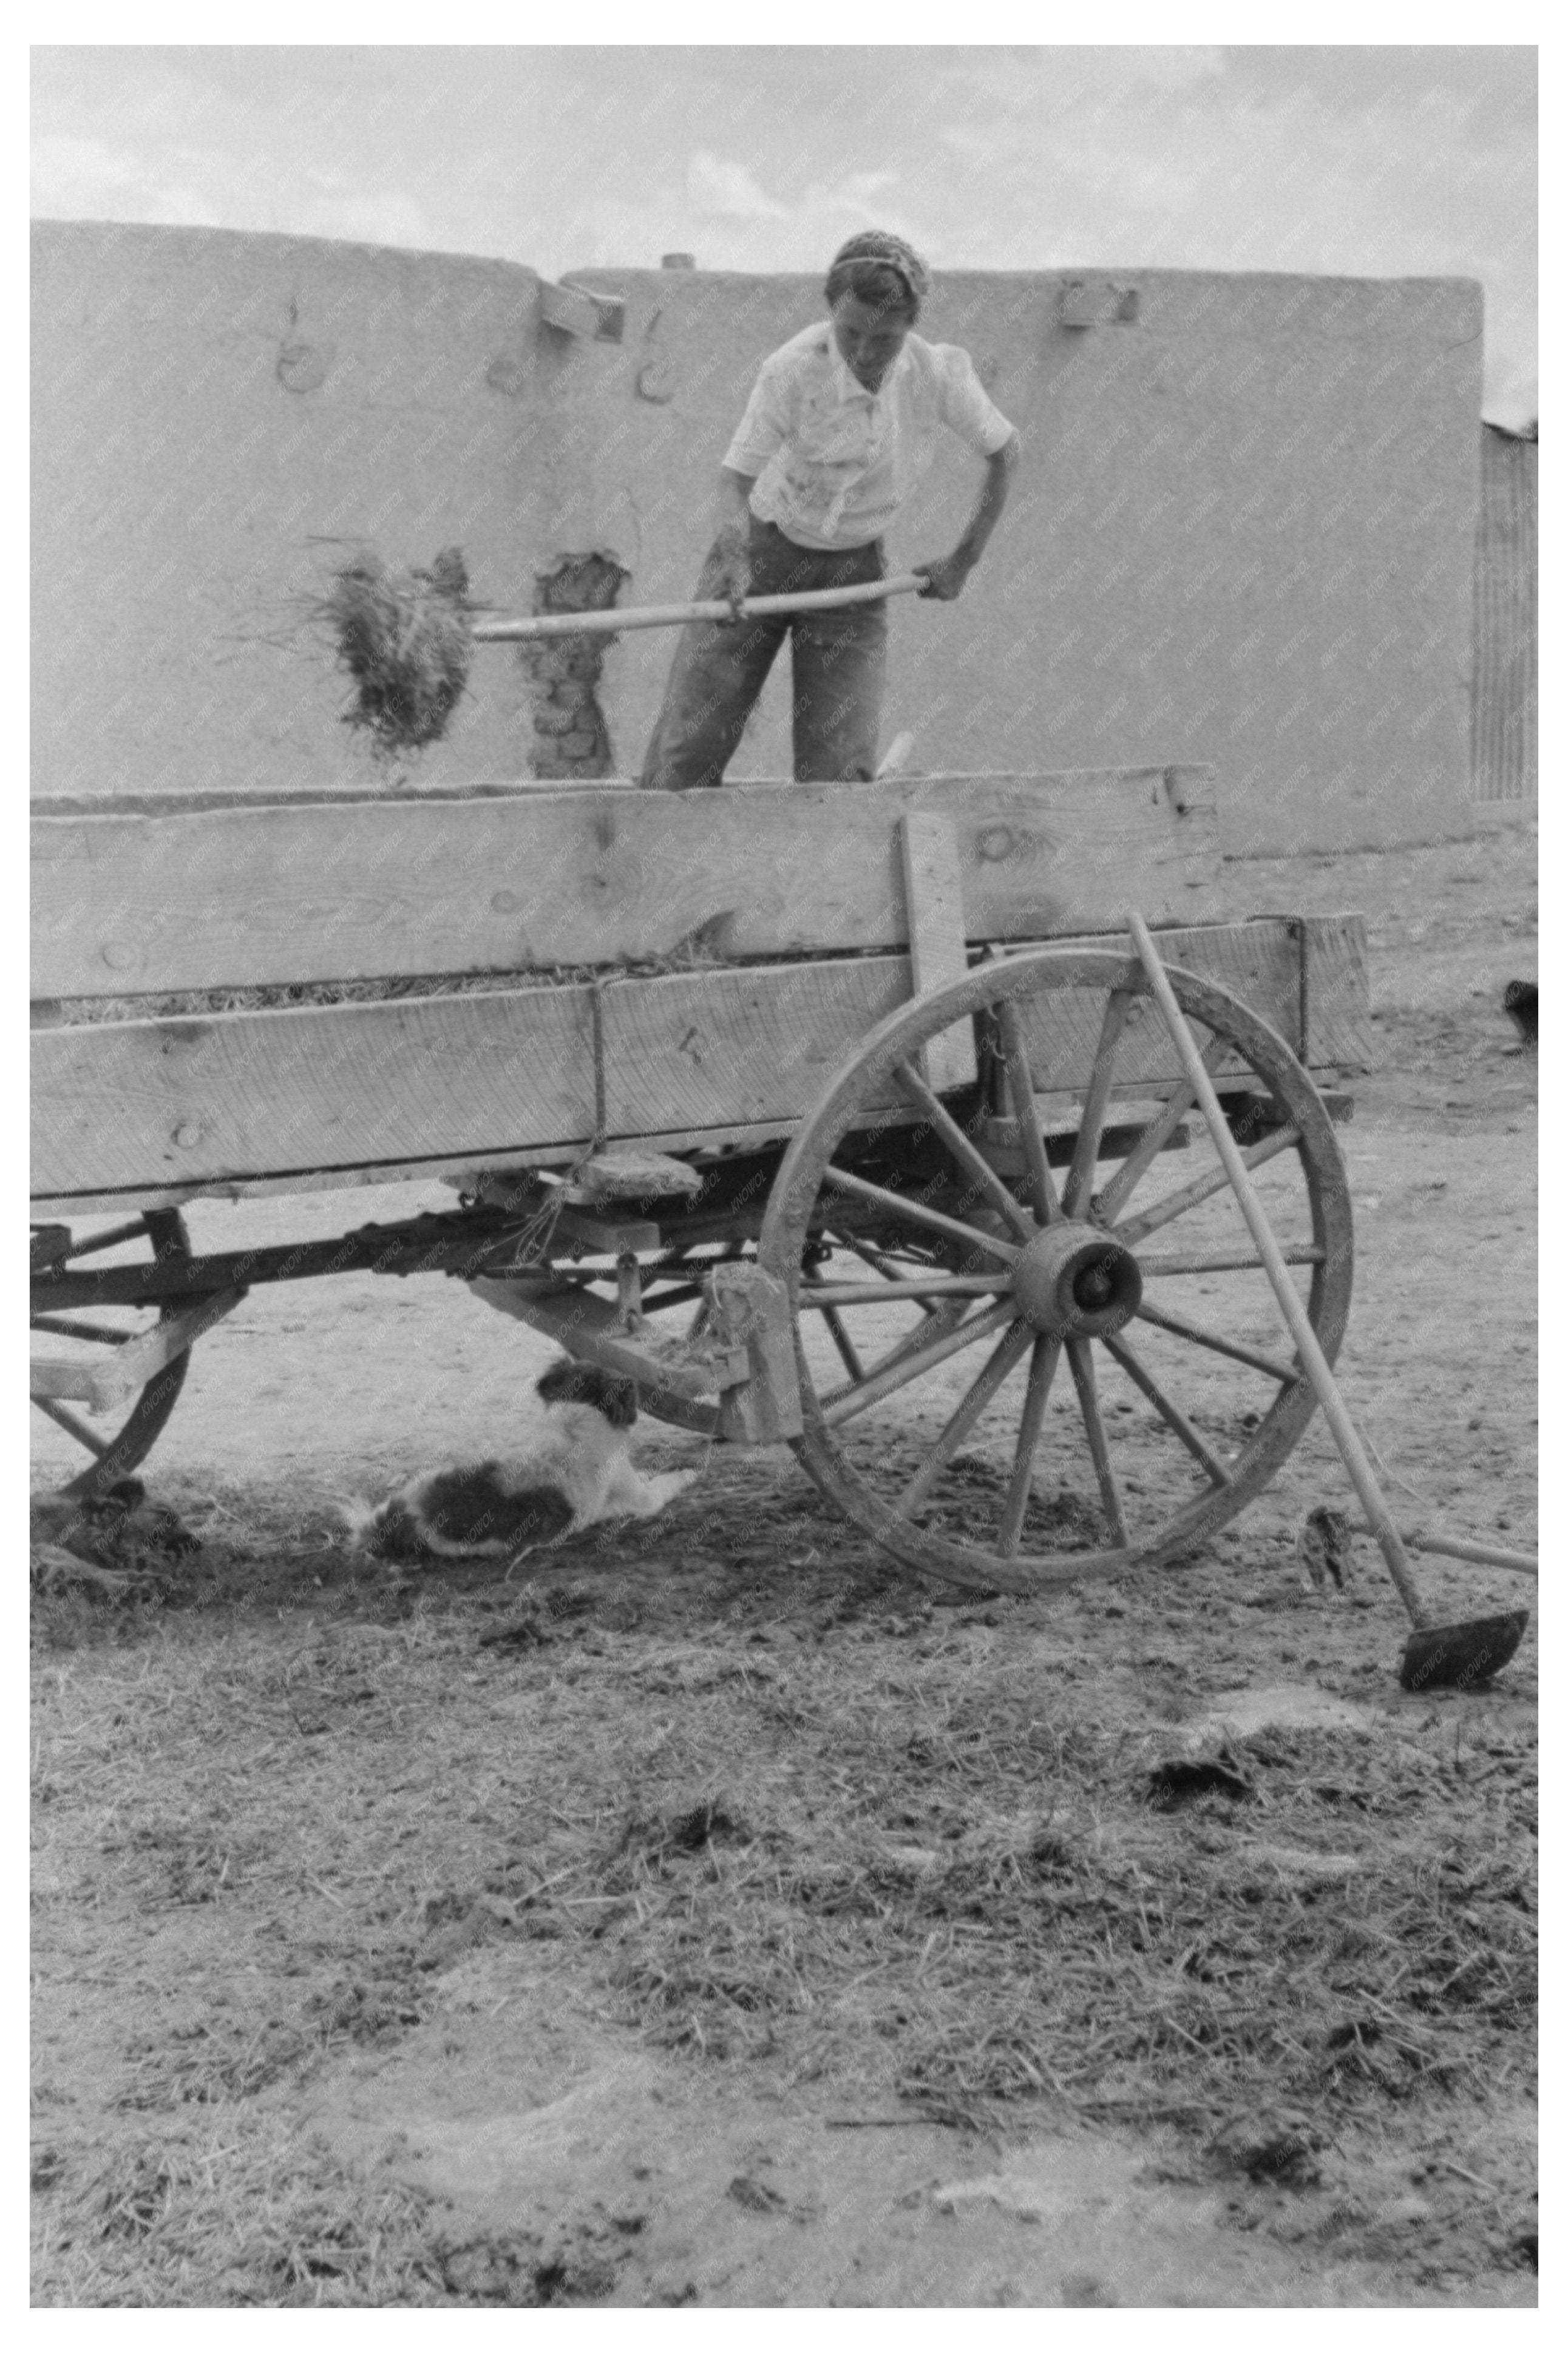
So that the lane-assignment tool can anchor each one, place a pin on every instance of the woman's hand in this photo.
(734, 564)
(944, 580)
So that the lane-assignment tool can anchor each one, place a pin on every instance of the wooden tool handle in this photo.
(668, 617)
(1313, 1361)
(1523, 1563)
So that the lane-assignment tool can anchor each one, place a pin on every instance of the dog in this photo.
(578, 1471)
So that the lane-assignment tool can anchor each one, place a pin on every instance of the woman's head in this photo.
(874, 286)
(878, 268)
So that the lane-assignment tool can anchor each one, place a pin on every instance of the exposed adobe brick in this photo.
(571, 738)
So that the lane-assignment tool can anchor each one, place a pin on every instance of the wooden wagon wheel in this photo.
(1160, 1390)
(113, 1453)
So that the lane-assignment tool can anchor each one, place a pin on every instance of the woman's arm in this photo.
(733, 534)
(945, 578)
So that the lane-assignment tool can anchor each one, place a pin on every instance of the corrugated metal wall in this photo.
(1503, 759)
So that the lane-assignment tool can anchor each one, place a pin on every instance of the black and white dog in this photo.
(576, 1472)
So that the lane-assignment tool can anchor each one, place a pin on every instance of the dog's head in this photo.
(566, 1383)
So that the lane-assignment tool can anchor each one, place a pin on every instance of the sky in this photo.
(1350, 162)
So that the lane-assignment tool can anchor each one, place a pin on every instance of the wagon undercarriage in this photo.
(813, 1293)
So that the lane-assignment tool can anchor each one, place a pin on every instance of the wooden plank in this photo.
(751, 1312)
(113, 1379)
(934, 908)
(460, 1170)
(424, 1081)
(120, 1103)
(131, 901)
(607, 1237)
(574, 311)
(590, 1328)
(1338, 1009)
(1262, 962)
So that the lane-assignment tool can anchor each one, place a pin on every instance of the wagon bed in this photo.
(757, 891)
(674, 1053)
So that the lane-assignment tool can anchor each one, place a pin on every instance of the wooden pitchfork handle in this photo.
(610, 622)
(1314, 1364)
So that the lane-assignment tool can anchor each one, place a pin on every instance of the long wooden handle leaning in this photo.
(669, 616)
(1522, 1564)
(1313, 1361)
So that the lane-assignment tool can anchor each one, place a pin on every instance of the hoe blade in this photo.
(1439, 1658)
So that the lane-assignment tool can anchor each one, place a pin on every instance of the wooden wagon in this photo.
(840, 1116)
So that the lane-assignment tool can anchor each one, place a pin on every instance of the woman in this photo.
(838, 425)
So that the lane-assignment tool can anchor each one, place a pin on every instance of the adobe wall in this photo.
(1242, 528)
(217, 420)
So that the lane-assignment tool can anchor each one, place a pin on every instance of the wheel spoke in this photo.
(944, 1317)
(965, 1414)
(1082, 1362)
(844, 1344)
(1177, 1205)
(915, 1365)
(71, 1330)
(966, 1151)
(926, 1291)
(1042, 1372)
(883, 1266)
(75, 1425)
(1108, 1206)
(1169, 1413)
(1235, 1261)
(1287, 1374)
(1025, 1111)
(1086, 1151)
(916, 1213)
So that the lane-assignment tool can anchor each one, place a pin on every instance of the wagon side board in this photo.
(162, 1109)
(141, 899)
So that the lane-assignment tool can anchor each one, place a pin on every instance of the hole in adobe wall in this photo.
(571, 737)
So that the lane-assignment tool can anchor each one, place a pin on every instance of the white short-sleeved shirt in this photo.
(832, 462)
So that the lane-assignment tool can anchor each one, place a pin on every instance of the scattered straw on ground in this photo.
(752, 1796)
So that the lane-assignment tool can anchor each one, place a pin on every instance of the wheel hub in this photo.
(1075, 1281)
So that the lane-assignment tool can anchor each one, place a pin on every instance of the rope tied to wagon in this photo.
(532, 1241)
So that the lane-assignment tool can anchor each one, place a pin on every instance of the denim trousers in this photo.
(838, 658)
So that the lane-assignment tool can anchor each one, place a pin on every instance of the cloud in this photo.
(375, 217)
(67, 170)
(89, 179)
(728, 190)
(1339, 160)
(858, 185)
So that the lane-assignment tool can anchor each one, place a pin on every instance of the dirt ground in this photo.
(708, 1917)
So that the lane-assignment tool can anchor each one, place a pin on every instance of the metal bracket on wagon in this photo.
(751, 1311)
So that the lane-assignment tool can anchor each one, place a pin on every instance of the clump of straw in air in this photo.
(405, 637)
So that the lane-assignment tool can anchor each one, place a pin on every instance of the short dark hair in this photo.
(876, 283)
